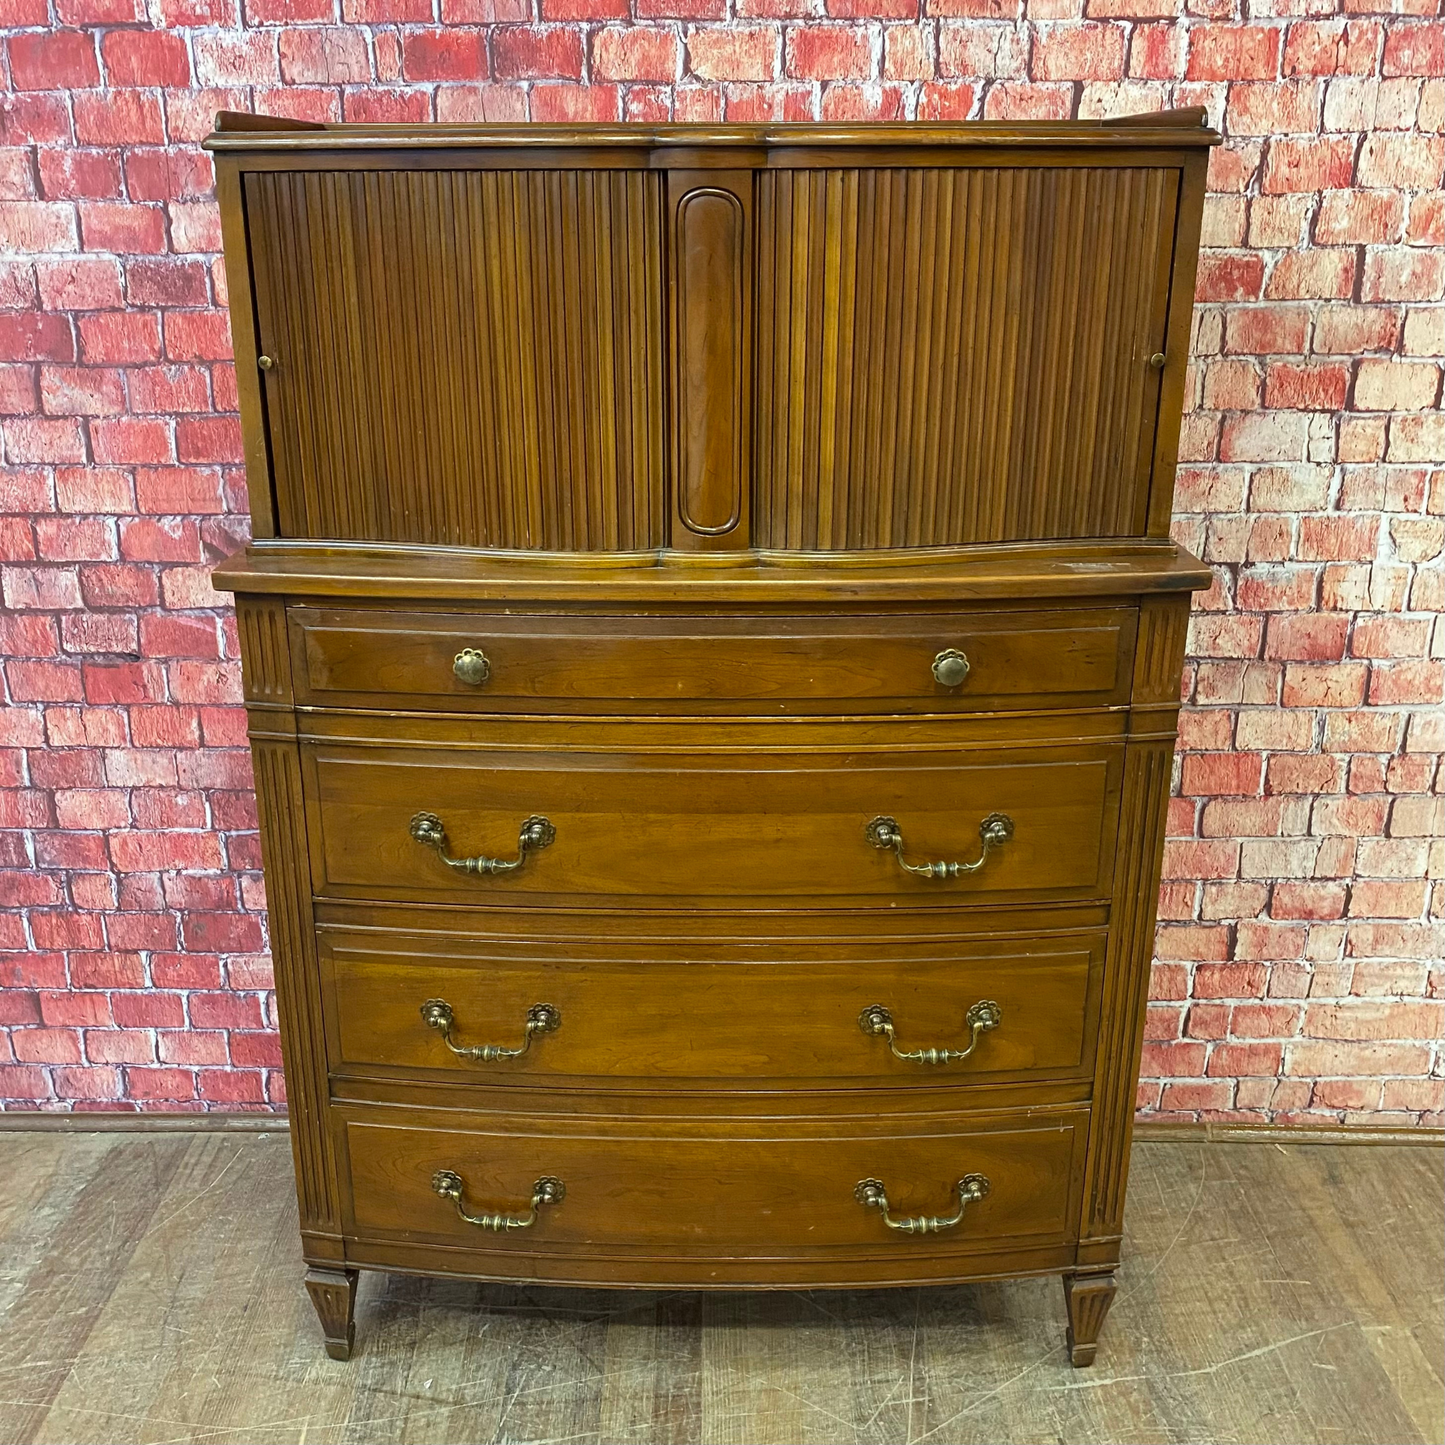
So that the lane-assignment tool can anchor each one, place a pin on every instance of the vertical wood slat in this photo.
(464, 358)
(998, 325)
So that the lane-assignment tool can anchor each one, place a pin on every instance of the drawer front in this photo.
(731, 1189)
(1023, 1009)
(699, 828)
(656, 665)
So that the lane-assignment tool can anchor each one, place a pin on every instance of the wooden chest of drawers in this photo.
(712, 646)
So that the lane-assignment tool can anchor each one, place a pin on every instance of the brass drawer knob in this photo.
(993, 832)
(430, 832)
(950, 667)
(265, 362)
(438, 1014)
(970, 1189)
(547, 1190)
(472, 666)
(1157, 360)
(982, 1017)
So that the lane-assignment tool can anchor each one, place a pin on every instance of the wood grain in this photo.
(728, 1196)
(711, 275)
(333, 1292)
(1013, 574)
(739, 663)
(266, 674)
(1163, 623)
(1087, 1299)
(1185, 266)
(230, 203)
(673, 146)
(1131, 944)
(775, 1013)
(781, 827)
(281, 805)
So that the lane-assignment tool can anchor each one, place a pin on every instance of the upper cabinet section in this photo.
(624, 339)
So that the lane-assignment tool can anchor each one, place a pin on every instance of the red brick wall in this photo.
(1298, 971)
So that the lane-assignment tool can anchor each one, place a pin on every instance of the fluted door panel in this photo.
(467, 358)
(950, 356)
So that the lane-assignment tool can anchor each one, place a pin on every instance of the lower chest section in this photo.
(702, 998)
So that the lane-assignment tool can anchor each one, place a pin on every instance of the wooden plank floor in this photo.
(150, 1290)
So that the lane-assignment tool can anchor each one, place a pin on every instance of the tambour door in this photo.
(955, 355)
(462, 357)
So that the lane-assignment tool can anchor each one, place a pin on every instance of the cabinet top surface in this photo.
(1166, 129)
(945, 575)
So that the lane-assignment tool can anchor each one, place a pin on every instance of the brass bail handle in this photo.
(995, 830)
(438, 1014)
(969, 1190)
(546, 1191)
(980, 1019)
(536, 832)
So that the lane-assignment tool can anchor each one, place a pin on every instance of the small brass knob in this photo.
(950, 667)
(472, 666)
(1157, 360)
(265, 362)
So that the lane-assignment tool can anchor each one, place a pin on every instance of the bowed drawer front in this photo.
(677, 828)
(887, 1014)
(945, 662)
(706, 1190)
(712, 648)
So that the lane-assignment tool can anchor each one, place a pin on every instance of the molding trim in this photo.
(84, 1121)
(1146, 1131)
(1132, 917)
(1167, 1131)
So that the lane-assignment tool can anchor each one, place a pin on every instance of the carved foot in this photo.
(1088, 1297)
(333, 1292)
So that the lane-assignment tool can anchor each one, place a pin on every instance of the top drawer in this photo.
(896, 663)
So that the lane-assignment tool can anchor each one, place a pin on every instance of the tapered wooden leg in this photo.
(333, 1292)
(1088, 1297)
